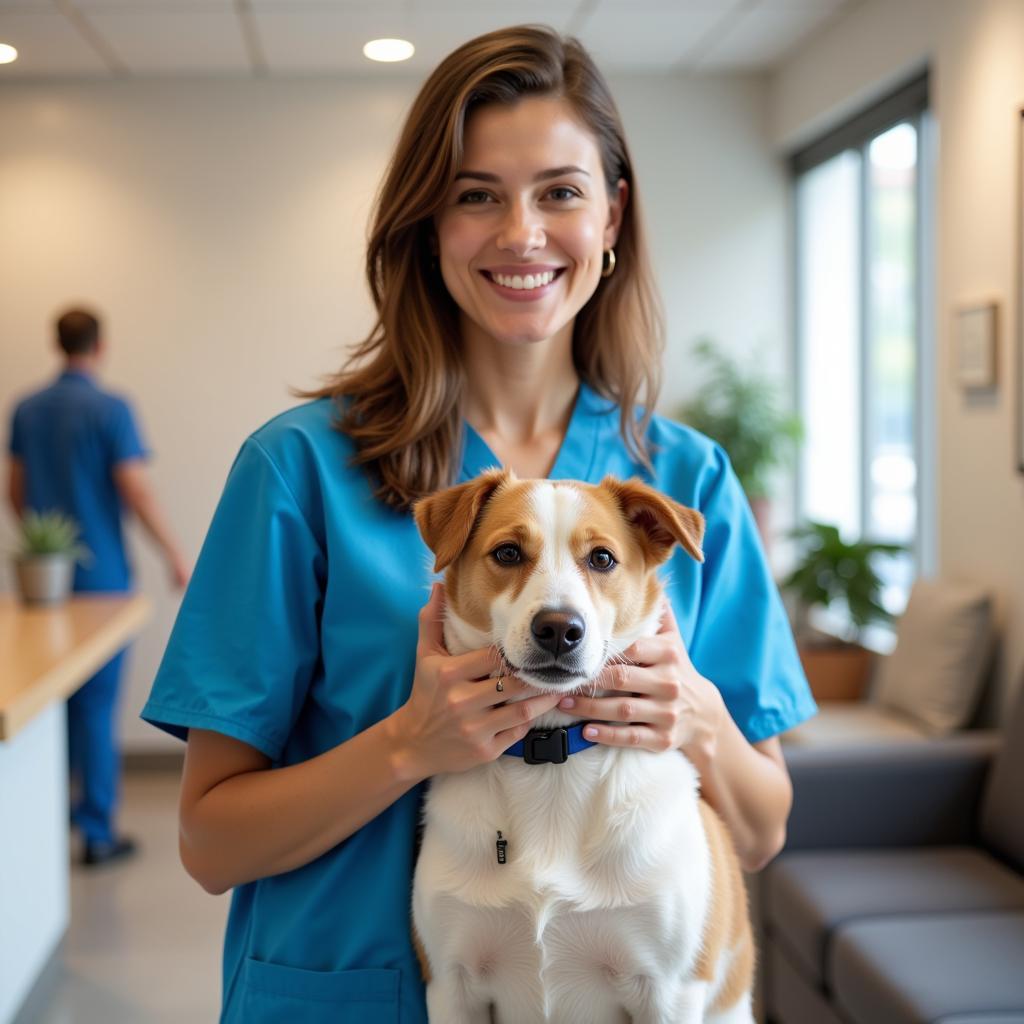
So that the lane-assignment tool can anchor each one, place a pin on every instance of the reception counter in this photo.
(46, 653)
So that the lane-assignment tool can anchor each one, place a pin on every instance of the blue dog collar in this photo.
(551, 746)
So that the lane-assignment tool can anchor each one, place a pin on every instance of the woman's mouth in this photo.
(523, 287)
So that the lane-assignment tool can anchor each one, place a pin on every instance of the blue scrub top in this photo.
(69, 436)
(299, 630)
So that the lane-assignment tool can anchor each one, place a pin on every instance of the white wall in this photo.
(219, 227)
(975, 53)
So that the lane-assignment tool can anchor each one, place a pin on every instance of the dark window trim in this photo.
(905, 102)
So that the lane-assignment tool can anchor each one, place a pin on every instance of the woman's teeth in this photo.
(520, 283)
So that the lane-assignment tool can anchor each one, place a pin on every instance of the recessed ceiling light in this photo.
(388, 50)
(7, 53)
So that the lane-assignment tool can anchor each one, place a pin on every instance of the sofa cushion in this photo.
(982, 1018)
(808, 895)
(943, 646)
(903, 970)
(855, 723)
(1002, 822)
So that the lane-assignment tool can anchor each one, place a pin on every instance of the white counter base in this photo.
(34, 897)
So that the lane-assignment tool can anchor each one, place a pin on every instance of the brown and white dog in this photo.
(618, 896)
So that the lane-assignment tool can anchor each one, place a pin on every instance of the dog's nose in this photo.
(557, 631)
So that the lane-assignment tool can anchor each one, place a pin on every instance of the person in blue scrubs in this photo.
(77, 449)
(307, 669)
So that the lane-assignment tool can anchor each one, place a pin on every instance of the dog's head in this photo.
(558, 575)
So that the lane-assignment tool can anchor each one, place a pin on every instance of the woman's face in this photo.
(526, 221)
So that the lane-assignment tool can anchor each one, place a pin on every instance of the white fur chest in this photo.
(606, 885)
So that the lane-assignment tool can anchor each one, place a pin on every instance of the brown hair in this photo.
(78, 332)
(399, 394)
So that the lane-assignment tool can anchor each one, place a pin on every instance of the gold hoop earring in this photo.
(607, 271)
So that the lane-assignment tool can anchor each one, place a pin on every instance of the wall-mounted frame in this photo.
(975, 336)
(1019, 241)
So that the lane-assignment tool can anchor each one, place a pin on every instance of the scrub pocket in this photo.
(272, 994)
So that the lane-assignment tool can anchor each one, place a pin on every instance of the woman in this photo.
(517, 324)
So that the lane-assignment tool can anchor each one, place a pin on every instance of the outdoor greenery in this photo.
(830, 569)
(51, 533)
(742, 410)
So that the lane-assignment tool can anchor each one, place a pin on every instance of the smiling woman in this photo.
(517, 325)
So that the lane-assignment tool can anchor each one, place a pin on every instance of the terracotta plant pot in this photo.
(836, 670)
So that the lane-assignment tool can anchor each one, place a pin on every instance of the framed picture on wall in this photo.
(1020, 292)
(976, 346)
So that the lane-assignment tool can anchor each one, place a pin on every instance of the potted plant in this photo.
(46, 556)
(831, 570)
(743, 411)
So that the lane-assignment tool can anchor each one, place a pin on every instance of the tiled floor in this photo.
(145, 940)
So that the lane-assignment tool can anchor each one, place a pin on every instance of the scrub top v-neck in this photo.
(298, 631)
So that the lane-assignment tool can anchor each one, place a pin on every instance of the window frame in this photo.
(908, 103)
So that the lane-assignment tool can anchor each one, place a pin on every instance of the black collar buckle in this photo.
(546, 746)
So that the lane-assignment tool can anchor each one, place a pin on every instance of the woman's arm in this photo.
(748, 785)
(241, 820)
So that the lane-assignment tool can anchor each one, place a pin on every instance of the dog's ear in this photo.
(446, 518)
(660, 522)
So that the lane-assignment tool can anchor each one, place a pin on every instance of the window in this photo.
(862, 358)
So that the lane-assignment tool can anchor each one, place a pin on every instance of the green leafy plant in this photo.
(831, 569)
(742, 411)
(51, 533)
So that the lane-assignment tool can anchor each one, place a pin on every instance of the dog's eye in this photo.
(602, 559)
(507, 554)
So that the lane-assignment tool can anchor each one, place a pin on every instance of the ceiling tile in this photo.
(151, 6)
(311, 41)
(646, 36)
(182, 40)
(806, 5)
(322, 6)
(47, 44)
(761, 37)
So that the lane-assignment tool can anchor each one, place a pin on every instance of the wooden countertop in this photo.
(46, 652)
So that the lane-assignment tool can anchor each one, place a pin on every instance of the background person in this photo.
(77, 449)
(313, 689)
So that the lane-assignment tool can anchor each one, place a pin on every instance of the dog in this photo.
(589, 888)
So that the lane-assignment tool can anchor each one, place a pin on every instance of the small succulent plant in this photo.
(51, 533)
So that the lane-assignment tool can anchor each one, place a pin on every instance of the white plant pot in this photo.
(44, 579)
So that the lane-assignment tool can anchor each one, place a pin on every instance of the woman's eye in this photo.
(569, 193)
(508, 554)
(602, 559)
(475, 198)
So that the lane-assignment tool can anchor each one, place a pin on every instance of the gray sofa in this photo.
(899, 897)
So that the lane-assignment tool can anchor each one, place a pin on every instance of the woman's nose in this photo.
(522, 230)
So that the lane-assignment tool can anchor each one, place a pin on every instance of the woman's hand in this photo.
(455, 718)
(666, 702)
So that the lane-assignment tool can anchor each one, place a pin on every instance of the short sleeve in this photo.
(124, 440)
(246, 642)
(17, 440)
(742, 639)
